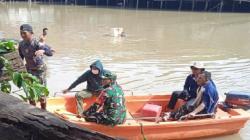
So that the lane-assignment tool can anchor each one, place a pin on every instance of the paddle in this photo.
(55, 93)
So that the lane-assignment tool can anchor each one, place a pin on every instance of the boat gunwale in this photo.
(241, 116)
(171, 124)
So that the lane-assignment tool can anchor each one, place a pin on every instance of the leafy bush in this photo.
(7, 46)
(30, 84)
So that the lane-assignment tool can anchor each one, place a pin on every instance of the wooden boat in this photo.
(225, 122)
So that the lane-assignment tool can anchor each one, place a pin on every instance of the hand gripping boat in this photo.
(224, 122)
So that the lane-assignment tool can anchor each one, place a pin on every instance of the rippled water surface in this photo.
(154, 56)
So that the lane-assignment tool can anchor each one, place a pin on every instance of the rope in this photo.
(142, 132)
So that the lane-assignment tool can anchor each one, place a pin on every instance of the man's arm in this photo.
(187, 83)
(20, 52)
(43, 49)
(198, 109)
(47, 50)
(81, 79)
(205, 102)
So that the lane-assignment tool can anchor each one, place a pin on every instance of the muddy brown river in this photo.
(154, 56)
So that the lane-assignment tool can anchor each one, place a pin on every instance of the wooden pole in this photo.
(193, 4)
(137, 4)
(180, 5)
(206, 5)
(221, 5)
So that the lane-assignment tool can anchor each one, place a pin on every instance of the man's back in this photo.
(210, 97)
(115, 103)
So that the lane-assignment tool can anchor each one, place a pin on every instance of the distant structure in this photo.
(180, 5)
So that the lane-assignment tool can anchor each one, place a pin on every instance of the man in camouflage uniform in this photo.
(111, 108)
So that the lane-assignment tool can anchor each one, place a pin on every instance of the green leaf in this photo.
(25, 89)
(41, 89)
(7, 64)
(24, 98)
(17, 79)
(5, 87)
(7, 46)
(28, 78)
(32, 94)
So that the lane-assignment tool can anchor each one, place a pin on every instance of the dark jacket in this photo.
(93, 81)
(191, 86)
(27, 50)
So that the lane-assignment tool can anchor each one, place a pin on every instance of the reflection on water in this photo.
(155, 54)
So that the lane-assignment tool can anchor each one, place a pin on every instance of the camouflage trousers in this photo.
(91, 115)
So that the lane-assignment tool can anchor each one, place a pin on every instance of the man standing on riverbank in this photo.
(33, 51)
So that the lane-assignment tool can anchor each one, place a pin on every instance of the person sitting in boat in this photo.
(190, 86)
(209, 96)
(205, 101)
(94, 79)
(110, 108)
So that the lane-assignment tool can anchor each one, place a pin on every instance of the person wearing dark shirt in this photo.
(93, 77)
(33, 51)
(190, 86)
(209, 97)
(204, 103)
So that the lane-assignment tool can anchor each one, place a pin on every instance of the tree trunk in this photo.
(21, 121)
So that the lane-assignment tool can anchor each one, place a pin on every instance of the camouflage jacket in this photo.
(114, 104)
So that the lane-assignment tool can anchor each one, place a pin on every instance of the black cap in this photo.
(26, 27)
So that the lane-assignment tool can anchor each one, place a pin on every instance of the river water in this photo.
(154, 56)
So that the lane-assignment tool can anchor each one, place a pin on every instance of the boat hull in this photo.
(224, 123)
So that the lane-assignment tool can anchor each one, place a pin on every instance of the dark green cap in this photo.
(109, 75)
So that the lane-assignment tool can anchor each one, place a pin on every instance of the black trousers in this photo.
(183, 110)
(177, 95)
